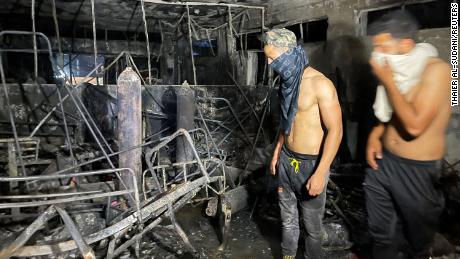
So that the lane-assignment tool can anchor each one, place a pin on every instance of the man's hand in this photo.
(373, 152)
(383, 73)
(274, 165)
(415, 116)
(315, 184)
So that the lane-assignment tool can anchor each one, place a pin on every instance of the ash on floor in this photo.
(250, 238)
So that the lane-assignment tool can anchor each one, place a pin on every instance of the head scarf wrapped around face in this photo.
(290, 66)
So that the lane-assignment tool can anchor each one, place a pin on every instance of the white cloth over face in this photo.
(407, 71)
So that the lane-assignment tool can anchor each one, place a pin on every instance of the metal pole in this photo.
(94, 135)
(182, 201)
(147, 41)
(34, 38)
(194, 3)
(263, 20)
(85, 79)
(233, 113)
(54, 109)
(56, 27)
(267, 103)
(89, 126)
(207, 129)
(162, 41)
(210, 43)
(93, 17)
(152, 210)
(246, 99)
(230, 22)
(191, 46)
(86, 251)
(28, 232)
(91, 120)
(231, 131)
(69, 142)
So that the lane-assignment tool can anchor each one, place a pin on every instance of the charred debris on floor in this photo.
(92, 169)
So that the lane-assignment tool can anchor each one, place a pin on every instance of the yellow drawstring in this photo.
(295, 164)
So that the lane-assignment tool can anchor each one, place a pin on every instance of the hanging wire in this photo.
(147, 41)
(240, 35)
(210, 43)
(56, 27)
(230, 22)
(195, 34)
(217, 27)
(162, 41)
(93, 17)
(191, 46)
(34, 37)
(66, 129)
(60, 61)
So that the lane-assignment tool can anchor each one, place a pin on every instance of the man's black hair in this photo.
(400, 24)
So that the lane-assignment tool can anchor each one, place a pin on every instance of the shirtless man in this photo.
(310, 134)
(402, 196)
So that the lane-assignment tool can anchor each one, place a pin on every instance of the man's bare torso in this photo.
(307, 133)
(428, 146)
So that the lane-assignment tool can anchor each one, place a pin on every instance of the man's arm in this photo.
(417, 115)
(331, 116)
(374, 145)
(276, 153)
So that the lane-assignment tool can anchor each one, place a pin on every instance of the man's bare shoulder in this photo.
(324, 88)
(436, 70)
(322, 85)
(323, 82)
(317, 79)
(437, 66)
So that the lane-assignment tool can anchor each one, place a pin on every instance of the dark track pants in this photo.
(403, 203)
(294, 170)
